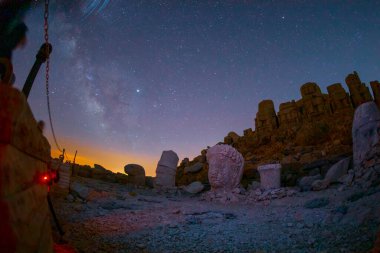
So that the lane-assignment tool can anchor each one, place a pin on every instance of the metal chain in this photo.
(46, 31)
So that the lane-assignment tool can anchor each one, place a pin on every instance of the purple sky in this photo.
(130, 79)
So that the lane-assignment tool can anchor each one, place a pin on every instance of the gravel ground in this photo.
(120, 218)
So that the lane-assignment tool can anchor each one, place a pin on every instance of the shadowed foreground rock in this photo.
(136, 173)
(24, 155)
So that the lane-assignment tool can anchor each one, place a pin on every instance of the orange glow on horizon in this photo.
(111, 160)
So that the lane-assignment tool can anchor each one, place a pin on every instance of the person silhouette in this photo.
(12, 37)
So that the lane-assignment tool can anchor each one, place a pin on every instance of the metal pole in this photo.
(73, 165)
(41, 57)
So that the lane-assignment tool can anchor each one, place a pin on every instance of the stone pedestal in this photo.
(270, 176)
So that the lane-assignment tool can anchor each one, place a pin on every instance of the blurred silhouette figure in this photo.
(12, 35)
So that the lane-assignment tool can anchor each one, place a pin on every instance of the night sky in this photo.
(130, 79)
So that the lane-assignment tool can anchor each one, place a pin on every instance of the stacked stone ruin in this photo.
(24, 158)
(315, 105)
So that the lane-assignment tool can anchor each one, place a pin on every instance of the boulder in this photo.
(194, 168)
(338, 170)
(166, 170)
(79, 190)
(319, 185)
(136, 173)
(134, 170)
(194, 187)
(306, 182)
(334, 175)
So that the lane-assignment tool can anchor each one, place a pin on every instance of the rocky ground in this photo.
(107, 217)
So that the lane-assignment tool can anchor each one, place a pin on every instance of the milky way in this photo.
(134, 78)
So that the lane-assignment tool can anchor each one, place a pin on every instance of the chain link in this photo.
(47, 48)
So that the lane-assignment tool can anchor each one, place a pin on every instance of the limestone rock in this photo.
(185, 162)
(334, 175)
(359, 91)
(266, 118)
(319, 185)
(166, 170)
(270, 176)
(80, 190)
(338, 170)
(194, 168)
(169, 159)
(365, 131)
(306, 182)
(24, 156)
(225, 167)
(194, 187)
(136, 173)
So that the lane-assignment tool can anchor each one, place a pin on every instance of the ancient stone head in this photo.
(225, 167)
(365, 130)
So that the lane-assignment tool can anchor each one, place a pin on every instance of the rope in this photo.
(46, 31)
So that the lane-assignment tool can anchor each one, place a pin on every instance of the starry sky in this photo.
(130, 79)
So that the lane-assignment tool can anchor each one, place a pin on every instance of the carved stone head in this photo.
(365, 130)
(225, 167)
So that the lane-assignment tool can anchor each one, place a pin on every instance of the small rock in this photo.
(306, 182)
(140, 246)
(194, 187)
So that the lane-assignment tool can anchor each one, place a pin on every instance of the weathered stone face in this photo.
(289, 114)
(339, 98)
(225, 167)
(310, 89)
(359, 91)
(314, 104)
(365, 130)
(266, 118)
(166, 170)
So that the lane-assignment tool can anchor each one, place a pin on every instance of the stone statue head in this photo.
(365, 130)
(225, 167)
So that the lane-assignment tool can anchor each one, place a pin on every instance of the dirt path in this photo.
(121, 219)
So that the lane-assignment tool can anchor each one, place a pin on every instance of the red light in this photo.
(45, 178)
